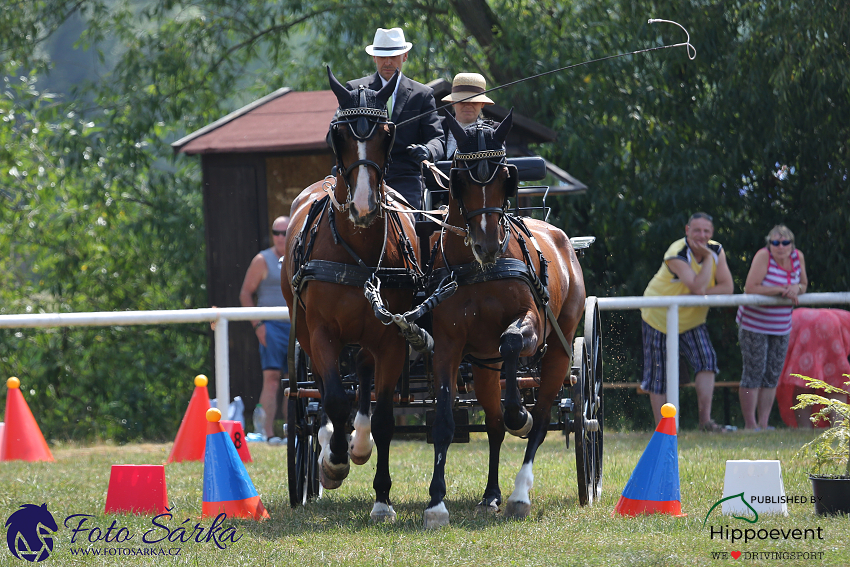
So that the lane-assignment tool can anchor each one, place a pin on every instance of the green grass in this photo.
(336, 530)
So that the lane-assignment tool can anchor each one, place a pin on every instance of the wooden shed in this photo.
(254, 162)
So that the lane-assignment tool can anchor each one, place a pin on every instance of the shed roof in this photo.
(283, 121)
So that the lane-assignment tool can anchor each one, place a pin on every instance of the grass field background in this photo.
(335, 530)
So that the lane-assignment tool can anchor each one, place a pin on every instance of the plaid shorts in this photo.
(695, 345)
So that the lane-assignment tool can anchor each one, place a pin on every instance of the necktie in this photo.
(390, 108)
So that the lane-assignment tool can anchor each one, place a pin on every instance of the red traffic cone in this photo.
(22, 438)
(137, 489)
(237, 435)
(227, 486)
(654, 485)
(189, 443)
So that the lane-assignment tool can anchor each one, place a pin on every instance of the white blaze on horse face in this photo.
(484, 216)
(362, 190)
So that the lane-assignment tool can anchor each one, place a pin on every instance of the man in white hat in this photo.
(418, 140)
(467, 89)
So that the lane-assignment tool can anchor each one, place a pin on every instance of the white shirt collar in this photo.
(395, 90)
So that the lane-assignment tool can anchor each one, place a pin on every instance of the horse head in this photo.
(481, 182)
(362, 137)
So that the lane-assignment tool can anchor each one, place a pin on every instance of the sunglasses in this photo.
(782, 242)
(279, 232)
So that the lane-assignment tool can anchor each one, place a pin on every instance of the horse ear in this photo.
(505, 127)
(342, 93)
(386, 92)
(456, 129)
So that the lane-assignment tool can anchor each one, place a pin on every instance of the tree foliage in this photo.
(98, 215)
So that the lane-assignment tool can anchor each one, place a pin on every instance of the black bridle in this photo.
(362, 123)
(482, 167)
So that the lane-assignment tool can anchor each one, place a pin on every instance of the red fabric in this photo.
(818, 348)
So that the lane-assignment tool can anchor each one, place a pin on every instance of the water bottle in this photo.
(260, 421)
(236, 410)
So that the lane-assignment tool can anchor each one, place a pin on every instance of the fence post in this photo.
(673, 358)
(222, 364)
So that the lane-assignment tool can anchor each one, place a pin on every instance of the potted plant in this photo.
(829, 452)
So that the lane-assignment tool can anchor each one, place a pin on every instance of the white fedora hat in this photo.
(388, 43)
(466, 85)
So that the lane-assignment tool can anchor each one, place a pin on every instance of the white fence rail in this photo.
(672, 303)
(221, 316)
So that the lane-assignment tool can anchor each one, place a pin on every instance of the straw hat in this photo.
(467, 84)
(388, 43)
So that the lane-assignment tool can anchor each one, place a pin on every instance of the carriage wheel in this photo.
(593, 345)
(587, 398)
(313, 488)
(302, 426)
(584, 462)
(296, 444)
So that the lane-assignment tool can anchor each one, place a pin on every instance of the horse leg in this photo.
(332, 436)
(521, 335)
(436, 514)
(489, 395)
(383, 421)
(555, 366)
(360, 448)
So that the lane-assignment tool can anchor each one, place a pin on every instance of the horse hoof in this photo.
(522, 431)
(360, 449)
(327, 483)
(360, 460)
(382, 513)
(331, 476)
(517, 510)
(485, 509)
(436, 517)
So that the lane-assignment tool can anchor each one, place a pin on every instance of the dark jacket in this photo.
(412, 99)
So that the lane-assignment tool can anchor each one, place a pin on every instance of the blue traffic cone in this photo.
(654, 485)
(227, 486)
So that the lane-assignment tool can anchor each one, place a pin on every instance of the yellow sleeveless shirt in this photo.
(665, 282)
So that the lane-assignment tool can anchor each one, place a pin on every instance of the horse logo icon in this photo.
(29, 532)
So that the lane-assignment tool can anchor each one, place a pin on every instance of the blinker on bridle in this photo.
(362, 123)
(482, 167)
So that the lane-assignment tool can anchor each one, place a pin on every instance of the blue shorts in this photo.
(273, 355)
(695, 345)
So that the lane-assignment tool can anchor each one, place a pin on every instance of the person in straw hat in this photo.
(418, 140)
(468, 98)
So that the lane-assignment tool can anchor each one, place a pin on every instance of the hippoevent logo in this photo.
(733, 497)
(30, 532)
(745, 535)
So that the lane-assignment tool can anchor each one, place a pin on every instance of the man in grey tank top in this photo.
(263, 280)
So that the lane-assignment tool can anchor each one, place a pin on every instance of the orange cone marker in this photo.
(189, 443)
(227, 487)
(237, 435)
(653, 487)
(22, 437)
(136, 489)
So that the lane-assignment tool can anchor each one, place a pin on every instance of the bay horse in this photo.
(521, 294)
(341, 235)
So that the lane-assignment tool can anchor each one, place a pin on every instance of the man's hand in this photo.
(419, 152)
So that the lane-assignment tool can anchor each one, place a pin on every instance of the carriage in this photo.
(439, 389)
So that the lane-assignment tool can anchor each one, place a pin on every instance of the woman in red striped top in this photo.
(777, 269)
